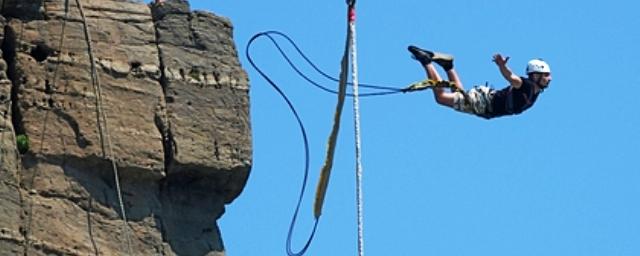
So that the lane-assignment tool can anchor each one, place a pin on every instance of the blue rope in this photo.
(306, 154)
(382, 90)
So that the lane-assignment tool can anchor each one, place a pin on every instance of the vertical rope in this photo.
(87, 36)
(356, 112)
(101, 118)
(325, 171)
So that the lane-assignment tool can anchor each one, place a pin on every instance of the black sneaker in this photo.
(425, 57)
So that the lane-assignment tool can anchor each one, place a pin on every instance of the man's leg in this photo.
(442, 97)
(453, 77)
(425, 58)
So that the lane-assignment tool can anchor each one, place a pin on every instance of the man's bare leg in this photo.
(453, 77)
(441, 96)
(425, 58)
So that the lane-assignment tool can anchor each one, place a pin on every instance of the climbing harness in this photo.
(429, 84)
(104, 133)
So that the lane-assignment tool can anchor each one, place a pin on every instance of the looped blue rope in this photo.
(306, 154)
(379, 90)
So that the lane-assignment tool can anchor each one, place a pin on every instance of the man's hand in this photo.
(513, 79)
(500, 60)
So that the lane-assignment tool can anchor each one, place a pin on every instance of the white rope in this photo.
(356, 112)
(101, 115)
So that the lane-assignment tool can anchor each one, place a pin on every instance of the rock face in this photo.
(167, 113)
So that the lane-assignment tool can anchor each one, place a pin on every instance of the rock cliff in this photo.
(165, 119)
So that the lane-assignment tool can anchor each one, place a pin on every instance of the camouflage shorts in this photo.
(478, 101)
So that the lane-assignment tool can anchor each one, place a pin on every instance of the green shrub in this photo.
(22, 141)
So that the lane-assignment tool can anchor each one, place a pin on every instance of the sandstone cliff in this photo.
(175, 108)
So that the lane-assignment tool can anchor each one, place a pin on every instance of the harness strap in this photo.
(429, 83)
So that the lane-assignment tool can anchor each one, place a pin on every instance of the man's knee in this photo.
(441, 100)
(444, 99)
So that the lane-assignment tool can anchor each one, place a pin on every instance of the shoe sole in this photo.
(441, 56)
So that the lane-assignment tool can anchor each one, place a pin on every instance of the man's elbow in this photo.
(515, 81)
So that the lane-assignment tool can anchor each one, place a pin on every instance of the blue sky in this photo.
(560, 179)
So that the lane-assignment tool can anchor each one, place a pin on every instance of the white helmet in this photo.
(538, 66)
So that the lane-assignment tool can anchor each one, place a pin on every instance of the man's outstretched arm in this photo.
(513, 79)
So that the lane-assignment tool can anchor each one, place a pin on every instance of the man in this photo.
(484, 101)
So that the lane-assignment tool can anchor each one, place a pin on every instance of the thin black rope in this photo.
(382, 90)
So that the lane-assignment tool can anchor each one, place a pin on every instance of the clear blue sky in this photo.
(560, 179)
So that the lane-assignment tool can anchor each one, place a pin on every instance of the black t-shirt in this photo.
(511, 101)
